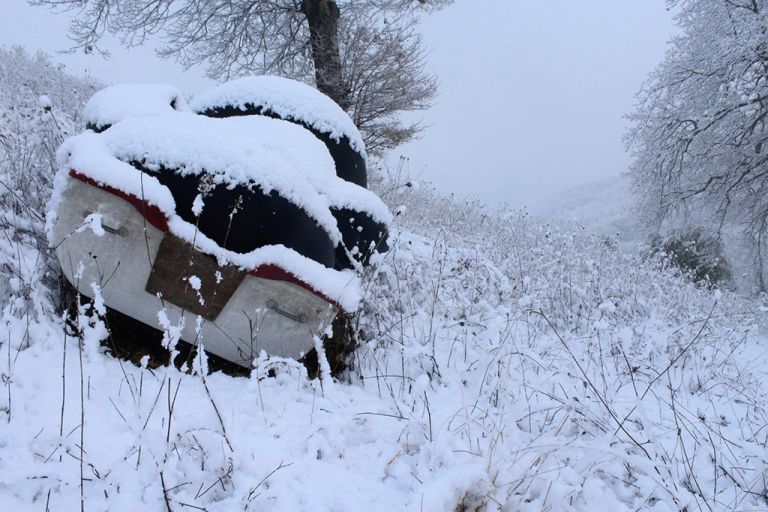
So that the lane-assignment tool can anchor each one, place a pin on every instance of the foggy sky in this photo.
(532, 93)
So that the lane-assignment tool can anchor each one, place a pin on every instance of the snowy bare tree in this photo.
(699, 128)
(365, 54)
(383, 64)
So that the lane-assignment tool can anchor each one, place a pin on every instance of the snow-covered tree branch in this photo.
(366, 55)
(699, 127)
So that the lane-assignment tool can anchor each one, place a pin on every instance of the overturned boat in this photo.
(237, 232)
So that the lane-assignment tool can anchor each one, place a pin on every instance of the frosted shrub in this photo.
(40, 104)
(697, 254)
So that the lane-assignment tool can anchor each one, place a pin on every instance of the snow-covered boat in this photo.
(228, 230)
(361, 227)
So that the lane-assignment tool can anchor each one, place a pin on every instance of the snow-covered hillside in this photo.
(608, 209)
(507, 365)
(603, 208)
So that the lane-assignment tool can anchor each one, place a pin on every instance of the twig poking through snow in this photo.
(589, 381)
(326, 380)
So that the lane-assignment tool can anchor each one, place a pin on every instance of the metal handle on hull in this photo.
(300, 318)
(121, 231)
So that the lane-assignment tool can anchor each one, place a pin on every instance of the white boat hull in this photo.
(276, 316)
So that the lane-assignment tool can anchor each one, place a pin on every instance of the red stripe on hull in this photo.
(159, 220)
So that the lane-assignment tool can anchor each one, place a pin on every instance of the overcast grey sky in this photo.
(532, 93)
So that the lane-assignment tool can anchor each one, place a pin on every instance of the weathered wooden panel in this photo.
(176, 261)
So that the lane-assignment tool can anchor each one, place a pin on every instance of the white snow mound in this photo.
(287, 98)
(113, 104)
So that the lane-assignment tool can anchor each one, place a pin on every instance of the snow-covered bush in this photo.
(40, 104)
(697, 254)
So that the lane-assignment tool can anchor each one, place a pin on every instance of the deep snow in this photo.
(287, 98)
(113, 104)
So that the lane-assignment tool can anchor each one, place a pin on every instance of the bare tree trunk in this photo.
(323, 20)
(760, 262)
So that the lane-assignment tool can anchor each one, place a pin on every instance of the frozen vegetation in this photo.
(506, 364)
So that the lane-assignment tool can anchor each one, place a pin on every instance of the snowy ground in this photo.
(508, 365)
